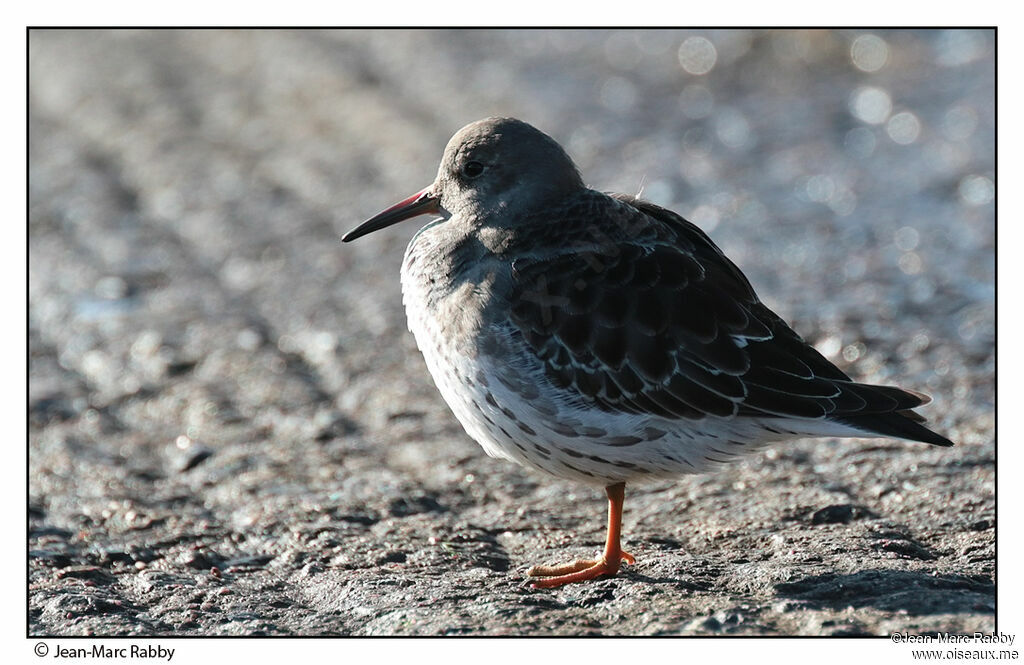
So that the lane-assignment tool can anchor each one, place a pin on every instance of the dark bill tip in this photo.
(419, 203)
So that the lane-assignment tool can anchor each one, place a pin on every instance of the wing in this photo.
(670, 327)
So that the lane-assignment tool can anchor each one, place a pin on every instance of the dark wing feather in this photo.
(653, 318)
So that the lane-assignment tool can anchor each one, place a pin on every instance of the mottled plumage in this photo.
(603, 338)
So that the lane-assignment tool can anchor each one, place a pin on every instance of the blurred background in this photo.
(216, 383)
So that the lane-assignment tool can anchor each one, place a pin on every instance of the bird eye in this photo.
(472, 169)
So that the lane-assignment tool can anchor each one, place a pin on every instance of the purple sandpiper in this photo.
(603, 338)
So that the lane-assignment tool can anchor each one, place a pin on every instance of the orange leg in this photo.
(585, 569)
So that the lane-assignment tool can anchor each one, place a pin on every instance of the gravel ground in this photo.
(232, 433)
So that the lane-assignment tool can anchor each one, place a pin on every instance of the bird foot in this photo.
(577, 571)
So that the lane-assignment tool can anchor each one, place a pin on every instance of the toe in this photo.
(554, 571)
(597, 570)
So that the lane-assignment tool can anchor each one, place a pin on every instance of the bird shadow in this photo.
(916, 593)
(675, 582)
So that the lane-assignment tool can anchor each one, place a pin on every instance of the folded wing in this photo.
(670, 327)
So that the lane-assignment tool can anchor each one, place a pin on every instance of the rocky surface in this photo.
(231, 431)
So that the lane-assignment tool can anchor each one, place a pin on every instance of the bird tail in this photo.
(897, 424)
(896, 418)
